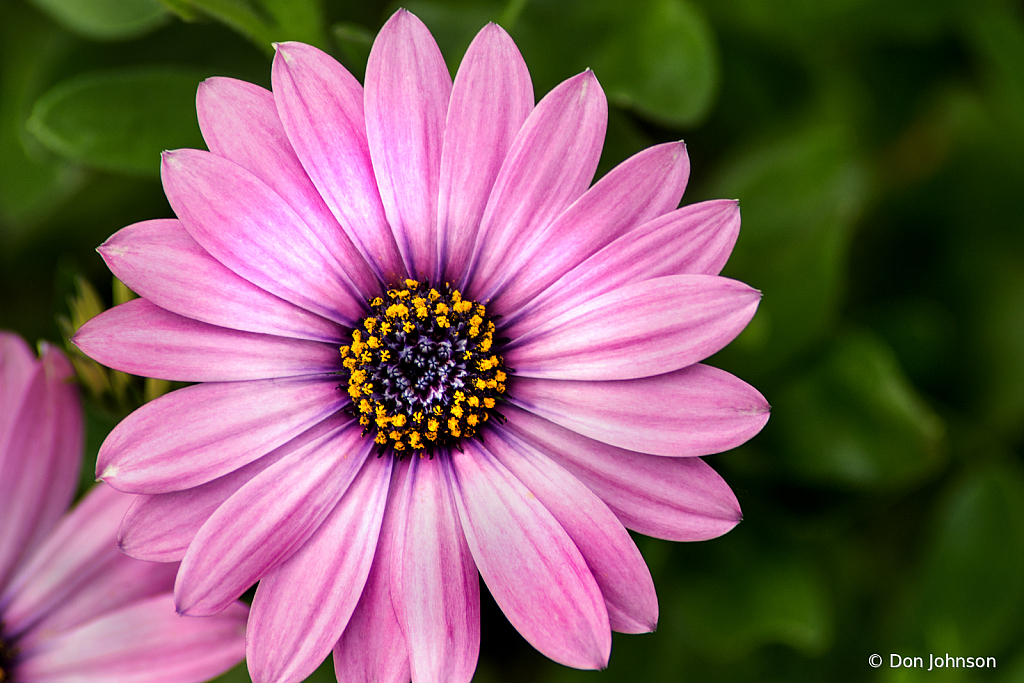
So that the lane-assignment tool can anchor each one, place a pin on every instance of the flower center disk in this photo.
(421, 371)
(7, 654)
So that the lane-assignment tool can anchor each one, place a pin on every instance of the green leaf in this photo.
(239, 674)
(355, 42)
(656, 57)
(664, 65)
(263, 21)
(120, 120)
(775, 600)
(997, 336)
(855, 421)
(33, 182)
(997, 36)
(98, 424)
(454, 23)
(799, 197)
(972, 585)
(106, 19)
(183, 9)
(622, 140)
(811, 24)
(297, 20)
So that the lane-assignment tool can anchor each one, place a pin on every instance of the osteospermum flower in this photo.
(73, 608)
(426, 350)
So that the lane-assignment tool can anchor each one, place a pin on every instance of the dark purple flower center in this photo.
(7, 654)
(421, 369)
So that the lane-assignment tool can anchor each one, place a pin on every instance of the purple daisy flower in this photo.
(518, 377)
(73, 608)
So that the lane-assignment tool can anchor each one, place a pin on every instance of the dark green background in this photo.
(876, 148)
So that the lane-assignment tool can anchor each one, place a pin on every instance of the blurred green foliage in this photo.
(877, 150)
(119, 120)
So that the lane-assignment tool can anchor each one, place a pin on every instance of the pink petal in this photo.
(321, 108)
(239, 122)
(531, 566)
(17, 366)
(144, 643)
(159, 528)
(491, 98)
(639, 189)
(143, 339)
(71, 556)
(41, 452)
(269, 518)
(639, 330)
(406, 99)
(160, 261)
(196, 434)
(694, 239)
(550, 164)
(246, 226)
(698, 410)
(319, 586)
(613, 558)
(117, 583)
(679, 499)
(435, 588)
(373, 648)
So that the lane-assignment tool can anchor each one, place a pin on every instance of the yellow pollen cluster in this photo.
(380, 370)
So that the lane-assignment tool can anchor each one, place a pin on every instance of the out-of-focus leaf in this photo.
(98, 380)
(235, 14)
(1014, 672)
(120, 120)
(997, 370)
(656, 57)
(98, 423)
(239, 674)
(623, 140)
(262, 21)
(984, 269)
(454, 23)
(799, 198)
(997, 35)
(297, 20)
(663, 64)
(855, 421)
(805, 24)
(122, 293)
(768, 600)
(355, 42)
(972, 587)
(106, 19)
(921, 331)
(182, 9)
(32, 181)
(86, 305)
